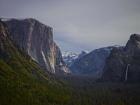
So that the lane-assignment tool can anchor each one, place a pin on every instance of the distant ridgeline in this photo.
(113, 63)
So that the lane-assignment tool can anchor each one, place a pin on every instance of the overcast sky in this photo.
(80, 24)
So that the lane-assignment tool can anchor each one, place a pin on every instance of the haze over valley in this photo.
(78, 52)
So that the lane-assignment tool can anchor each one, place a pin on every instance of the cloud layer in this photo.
(81, 24)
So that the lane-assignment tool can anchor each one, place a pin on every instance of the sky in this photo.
(80, 24)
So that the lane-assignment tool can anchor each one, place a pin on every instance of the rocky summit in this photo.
(36, 39)
(123, 64)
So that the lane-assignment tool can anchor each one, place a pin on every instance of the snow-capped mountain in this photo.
(69, 57)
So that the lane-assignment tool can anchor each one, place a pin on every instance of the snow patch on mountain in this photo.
(69, 57)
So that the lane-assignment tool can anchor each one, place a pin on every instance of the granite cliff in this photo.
(123, 64)
(36, 39)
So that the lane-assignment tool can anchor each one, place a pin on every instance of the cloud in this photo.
(81, 24)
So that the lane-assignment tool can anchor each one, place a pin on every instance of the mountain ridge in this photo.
(91, 63)
(24, 82)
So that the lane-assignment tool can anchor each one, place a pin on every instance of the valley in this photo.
(33, 72)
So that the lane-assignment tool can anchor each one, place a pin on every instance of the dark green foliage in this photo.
(23, 82)
(85, 91)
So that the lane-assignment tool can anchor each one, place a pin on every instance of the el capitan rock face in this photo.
(36, 39)
(123, 64)
(3, 39)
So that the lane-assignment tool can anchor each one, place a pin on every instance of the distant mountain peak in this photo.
(135, 37)
(133, 43)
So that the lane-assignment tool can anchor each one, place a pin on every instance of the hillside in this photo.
(24, 82)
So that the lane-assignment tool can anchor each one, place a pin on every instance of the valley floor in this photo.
(66, 91)
(85, 91)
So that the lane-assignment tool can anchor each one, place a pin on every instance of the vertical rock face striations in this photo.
(3, 39)
(123, 64)
(36, 39)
